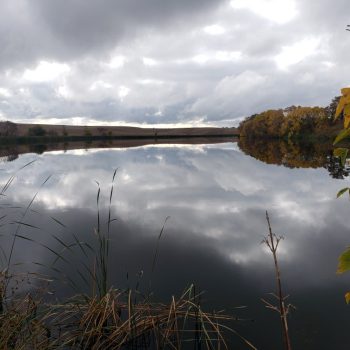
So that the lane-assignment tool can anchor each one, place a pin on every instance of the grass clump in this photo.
(105, 317)
(113, 321)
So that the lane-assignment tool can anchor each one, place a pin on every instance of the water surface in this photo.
(216, 196)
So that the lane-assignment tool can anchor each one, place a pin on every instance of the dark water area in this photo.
(216, 196)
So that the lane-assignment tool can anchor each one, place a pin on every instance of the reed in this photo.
(113, 322)
(105, 317)
(272, 242)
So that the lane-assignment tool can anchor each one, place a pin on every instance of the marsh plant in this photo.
(272, 241)
(104, 317)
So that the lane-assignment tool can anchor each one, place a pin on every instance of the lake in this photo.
(215, 196)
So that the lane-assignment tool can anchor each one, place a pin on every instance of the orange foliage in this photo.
(288, 123)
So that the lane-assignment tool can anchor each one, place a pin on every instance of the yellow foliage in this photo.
(288, 123)
(343, 107)
(345, 91)
(346, 121)
(347, 297)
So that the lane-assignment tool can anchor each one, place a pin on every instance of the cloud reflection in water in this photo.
(216, 197)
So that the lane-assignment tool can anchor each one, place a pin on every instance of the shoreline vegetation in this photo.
(294, 122)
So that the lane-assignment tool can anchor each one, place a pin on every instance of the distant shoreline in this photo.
(62, 132)
(11, 150)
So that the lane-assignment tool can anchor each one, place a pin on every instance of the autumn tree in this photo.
(291, 122)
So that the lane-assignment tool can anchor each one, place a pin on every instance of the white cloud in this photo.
(147, 61)
(150, 82)
(328, 64)
(100, 84)
(123, 92)
(117, 62)
(64, 91)
(211, 56)
(202, 58)
(214, 29)
(46, 71)
(228, 55)
(5, 92)
(278, 11)
(296, 52)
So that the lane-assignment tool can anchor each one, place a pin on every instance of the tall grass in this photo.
(105, 317)
(113, 322)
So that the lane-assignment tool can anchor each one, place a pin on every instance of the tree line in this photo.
(292, 122)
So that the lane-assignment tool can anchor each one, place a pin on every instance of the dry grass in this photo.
(105, 318)
(114, 321)
(272, 242)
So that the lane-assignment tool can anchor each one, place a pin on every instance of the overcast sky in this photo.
(186, 62)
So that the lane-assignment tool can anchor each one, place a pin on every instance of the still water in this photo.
(216, 196)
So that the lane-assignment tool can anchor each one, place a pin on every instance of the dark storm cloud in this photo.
(62, 31)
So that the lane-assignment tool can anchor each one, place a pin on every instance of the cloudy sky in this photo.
(185, 62)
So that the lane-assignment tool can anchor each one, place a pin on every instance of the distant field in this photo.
(123, 131)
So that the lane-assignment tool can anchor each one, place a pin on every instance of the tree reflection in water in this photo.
(293, 154)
